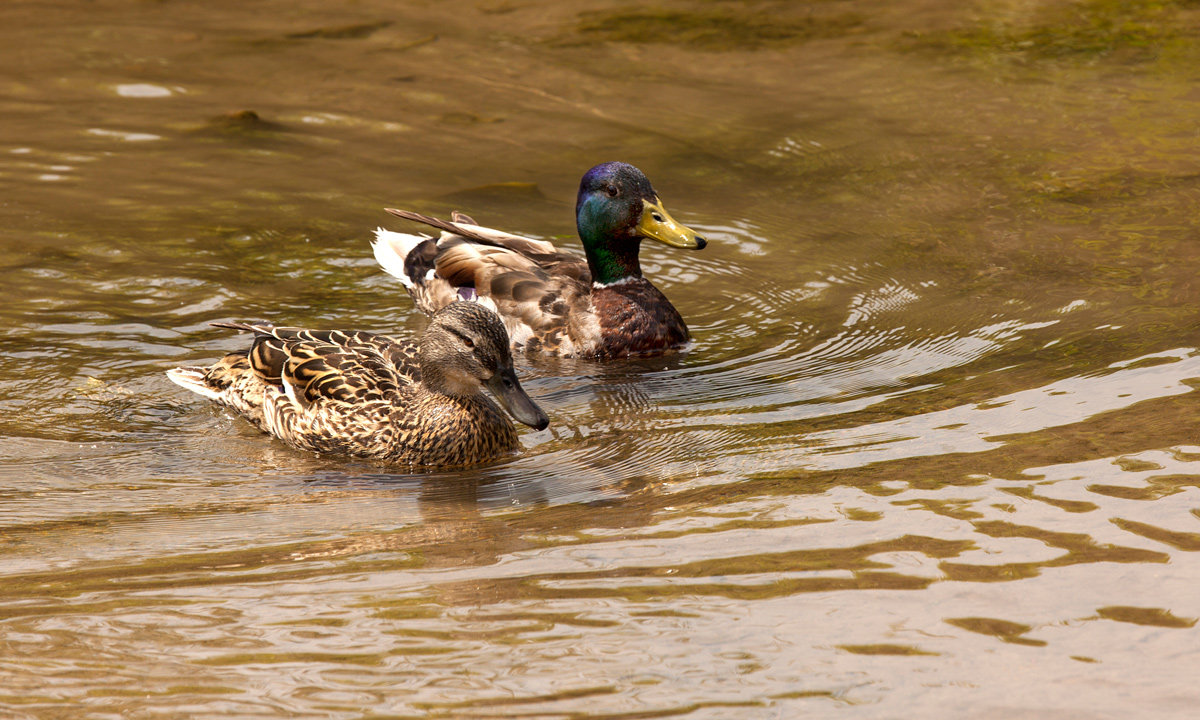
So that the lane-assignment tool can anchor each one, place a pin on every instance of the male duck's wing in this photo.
(416, 260)
(463, 226)
(533, 286)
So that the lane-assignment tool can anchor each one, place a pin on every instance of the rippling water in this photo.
(932, 452)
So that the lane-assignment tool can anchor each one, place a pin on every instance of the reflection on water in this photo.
(931, 453)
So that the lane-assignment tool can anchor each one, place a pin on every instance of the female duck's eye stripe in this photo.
(461, 336)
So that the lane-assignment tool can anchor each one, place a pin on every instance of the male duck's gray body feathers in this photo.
(550, 300)
(371, 396)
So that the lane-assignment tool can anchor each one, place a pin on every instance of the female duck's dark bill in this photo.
(657, 224)
(507, 389)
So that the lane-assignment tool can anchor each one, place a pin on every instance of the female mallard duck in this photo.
(553, 301)
(367, 395)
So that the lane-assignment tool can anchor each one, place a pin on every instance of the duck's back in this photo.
(541, 294)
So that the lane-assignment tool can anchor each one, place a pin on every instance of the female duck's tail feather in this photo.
(194, 379)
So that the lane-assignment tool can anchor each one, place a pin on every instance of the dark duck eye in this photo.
(611, 190)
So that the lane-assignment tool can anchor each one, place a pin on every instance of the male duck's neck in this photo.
(610, 265)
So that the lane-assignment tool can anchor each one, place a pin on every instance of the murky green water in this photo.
(933, 453)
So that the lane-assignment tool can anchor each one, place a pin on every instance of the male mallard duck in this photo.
(367, 395)
(554, 301)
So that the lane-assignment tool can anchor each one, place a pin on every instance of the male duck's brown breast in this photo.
(636, 318)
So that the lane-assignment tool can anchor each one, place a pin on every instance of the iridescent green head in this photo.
(616, 209)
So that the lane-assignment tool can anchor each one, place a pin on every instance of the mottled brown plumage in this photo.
(636, 318)
(371, 396)
(553, 301)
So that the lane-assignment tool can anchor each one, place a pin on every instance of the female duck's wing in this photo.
(541, 293)
(344, 366)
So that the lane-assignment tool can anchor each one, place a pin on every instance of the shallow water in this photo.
(932, 452)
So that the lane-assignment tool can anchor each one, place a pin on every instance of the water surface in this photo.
(932, 452)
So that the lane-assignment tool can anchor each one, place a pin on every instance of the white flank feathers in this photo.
(488, 303)
(271, 416)
(290, 391)
(391, 248)
(518, 332)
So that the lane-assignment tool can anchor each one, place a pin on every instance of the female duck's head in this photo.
(616, 209)
(465, 349)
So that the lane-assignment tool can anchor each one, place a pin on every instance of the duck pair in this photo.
(488, 292)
